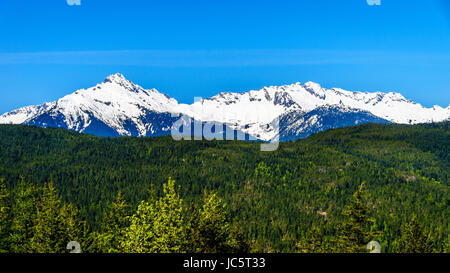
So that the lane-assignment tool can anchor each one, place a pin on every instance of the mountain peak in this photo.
(117, 78)
(312, 85)
(120, 80)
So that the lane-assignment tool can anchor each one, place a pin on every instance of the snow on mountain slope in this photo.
(114, 102)
(269, 102)
(296, 125)
(119, 107)
(21, 115)
(253, 111)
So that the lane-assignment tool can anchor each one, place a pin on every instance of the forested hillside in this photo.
(276, 198)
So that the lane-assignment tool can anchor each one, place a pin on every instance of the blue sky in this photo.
(195, 48)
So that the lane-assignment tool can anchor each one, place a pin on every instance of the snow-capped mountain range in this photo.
(118, 107)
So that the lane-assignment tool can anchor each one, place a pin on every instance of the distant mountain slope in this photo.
(119, 107)
(294, 125)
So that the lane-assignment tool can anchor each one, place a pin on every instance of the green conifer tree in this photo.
(157, 227)
(23, 211)
(113, 226)
(5, 218)
(313, 242)
(415, 238)
(194, 236)
(210, 230)
(169, 225)
(139, 236)
(447, 245)
(354, 233)
(56, 224)
(238, 242)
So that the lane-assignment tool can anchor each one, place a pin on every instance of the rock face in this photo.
(118, 107)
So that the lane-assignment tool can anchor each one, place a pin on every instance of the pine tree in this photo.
(43, 240)
(354, 232)
(169, 226)
(447, 245)
(113, 227)
(56, 224)
(5, 218)
(194, 236)
(158, 227)
(238, 242)
(73, 228)
(415, 238)
(210, 230)
(139, 236)
(214, 226)
(313, 242)
(23, 211)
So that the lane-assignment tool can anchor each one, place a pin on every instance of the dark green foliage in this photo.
(447, 245)
(314, 242)
(41, 222)
(275, 197)
(210, 229)
(158, 226)
(55, 225)
(415, 238)
(112, 227)
(24, 216)
(5, 218)
(354, 233)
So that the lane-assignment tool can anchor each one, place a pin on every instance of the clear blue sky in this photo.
(199, 48)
